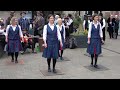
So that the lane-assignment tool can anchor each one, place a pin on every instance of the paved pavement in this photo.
(30, 66)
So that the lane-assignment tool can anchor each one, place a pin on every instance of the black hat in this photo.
(100, 14)
(12, 13)
(22, 12)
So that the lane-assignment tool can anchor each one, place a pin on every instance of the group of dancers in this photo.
(54, 39)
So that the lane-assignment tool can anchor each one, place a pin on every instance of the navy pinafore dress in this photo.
(14, 42)
(63, 41)
(95, 41)
(52, 44)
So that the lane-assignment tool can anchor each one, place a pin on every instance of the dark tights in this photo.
(61, 53)
(49, 61)
(92, 57)
(16, 55)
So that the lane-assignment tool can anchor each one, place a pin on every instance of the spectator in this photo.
(24, 22)
(116, 21)
(56, 17)
(39, 24)
(86, 23)
(103, 23)
(1, 21)
(70, 23)
(110, 22)
(28, 42)
(12, 13)
(2, 35)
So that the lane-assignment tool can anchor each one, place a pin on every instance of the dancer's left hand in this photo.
(22, 39)
(103, 41)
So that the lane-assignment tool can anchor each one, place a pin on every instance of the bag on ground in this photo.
(73, 43)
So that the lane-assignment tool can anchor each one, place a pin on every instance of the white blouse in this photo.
(52, 27)
(90, 28)
(60, 28)
(104, 23)
(14, 27)
(69, 22)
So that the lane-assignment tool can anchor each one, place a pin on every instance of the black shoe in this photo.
(34, 52)
(96, 66)
(49, 70)
(22, 52)
(91, 65)
(54, 71)
(61, 58)
(16, 61)
(12, 60)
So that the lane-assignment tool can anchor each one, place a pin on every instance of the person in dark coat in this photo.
(103, 23)
(95, 36)
(110, 27)
(12, 13)
(116, 21)
(67, 32)
(24, 22)
(86, 23)
(39, 24)
(70, 23)
(90, 18)
(13, 38)
(28, 42)
(2, 35)
(51, 37)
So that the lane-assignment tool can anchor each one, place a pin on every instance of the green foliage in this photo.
(80, 33)
(76, 22)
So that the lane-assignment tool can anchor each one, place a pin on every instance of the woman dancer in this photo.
(51, 35)
(13, 39)
(95, 36)
(61, 27)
